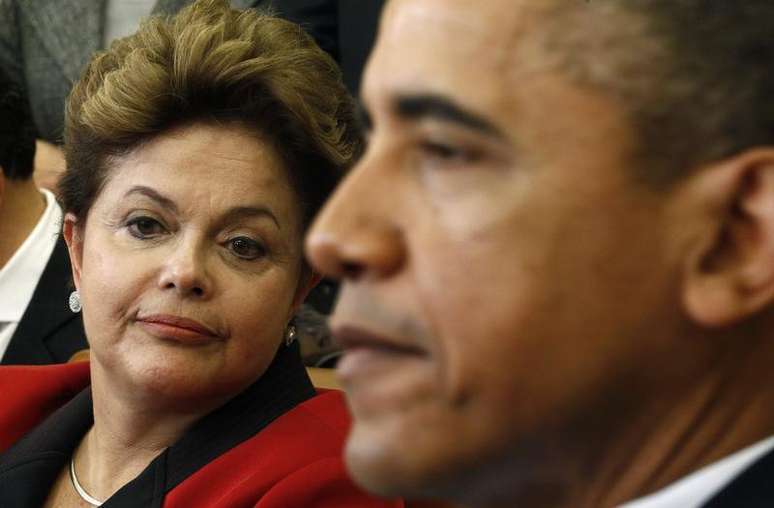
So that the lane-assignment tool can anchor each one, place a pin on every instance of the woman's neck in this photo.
(126, 436)
(104, 463)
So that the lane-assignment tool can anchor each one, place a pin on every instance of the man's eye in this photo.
(144, 227)
(447, 153)
(246, 248)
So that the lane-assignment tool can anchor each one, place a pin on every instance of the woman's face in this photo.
(188, 265)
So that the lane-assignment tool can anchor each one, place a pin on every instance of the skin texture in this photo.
(515, 305)
(49, 164)
(192, 256)
(21, 205)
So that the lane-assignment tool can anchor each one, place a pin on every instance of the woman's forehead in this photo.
(205, 168)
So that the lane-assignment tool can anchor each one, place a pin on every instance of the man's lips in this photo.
(381, 371)
(356, 338)
(177, 327)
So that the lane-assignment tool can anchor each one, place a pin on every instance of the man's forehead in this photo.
(469, 54)
(474, 25)
(455, 47)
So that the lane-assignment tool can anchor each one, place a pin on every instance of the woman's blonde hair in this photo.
(211, 63)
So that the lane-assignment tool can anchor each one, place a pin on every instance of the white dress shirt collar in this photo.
(699, 487)
(20, 275)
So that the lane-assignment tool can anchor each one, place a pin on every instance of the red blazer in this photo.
(292, 462)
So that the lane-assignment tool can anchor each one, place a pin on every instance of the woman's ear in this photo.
(306, 282)
(731, 277)
(73, 236)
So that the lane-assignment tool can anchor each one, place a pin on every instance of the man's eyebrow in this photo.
(242, 212)
(437, 107)
(154, 195)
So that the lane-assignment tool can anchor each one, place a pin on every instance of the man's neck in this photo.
(724, 408)
(727, 411)
(21, 207)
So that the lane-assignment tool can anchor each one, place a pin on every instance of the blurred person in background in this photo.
(36, 326)
(44, 46)
(198, 151)
(557, 255)
(344, 28)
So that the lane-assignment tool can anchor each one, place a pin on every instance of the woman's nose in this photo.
(185, 271)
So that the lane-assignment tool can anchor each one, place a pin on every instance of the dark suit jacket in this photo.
(276, 445)
(48, 332)
(344, 28)
(44, 45)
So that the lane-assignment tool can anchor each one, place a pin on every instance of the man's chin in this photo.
(387, 468)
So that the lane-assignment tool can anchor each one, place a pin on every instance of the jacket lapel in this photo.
(81, 37)
(30, 467)
(283, 386)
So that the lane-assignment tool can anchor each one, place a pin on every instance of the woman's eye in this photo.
(144, 227)
(246, 248)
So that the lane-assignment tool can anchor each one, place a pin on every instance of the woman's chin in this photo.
(179, 392)
(175, 383)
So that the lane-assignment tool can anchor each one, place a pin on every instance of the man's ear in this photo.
(731, 275)
(73, 236)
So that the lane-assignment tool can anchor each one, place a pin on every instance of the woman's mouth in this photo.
(178, 329)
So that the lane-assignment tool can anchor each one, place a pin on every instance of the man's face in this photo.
(501, 269)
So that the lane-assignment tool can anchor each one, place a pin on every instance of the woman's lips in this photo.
(178, 329)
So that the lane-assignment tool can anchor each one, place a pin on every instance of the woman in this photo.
(197, 151)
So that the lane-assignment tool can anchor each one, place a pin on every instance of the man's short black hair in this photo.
(17, 132)
(695, 76)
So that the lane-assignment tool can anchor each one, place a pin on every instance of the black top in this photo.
(28, 469)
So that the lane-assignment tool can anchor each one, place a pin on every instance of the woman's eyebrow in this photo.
(154, 195)
(241, 212)
(232, 214)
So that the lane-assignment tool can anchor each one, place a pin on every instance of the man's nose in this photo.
(356, 234)
(185, 270)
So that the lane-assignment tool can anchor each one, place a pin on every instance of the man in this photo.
(36, 325)
(557, 255)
